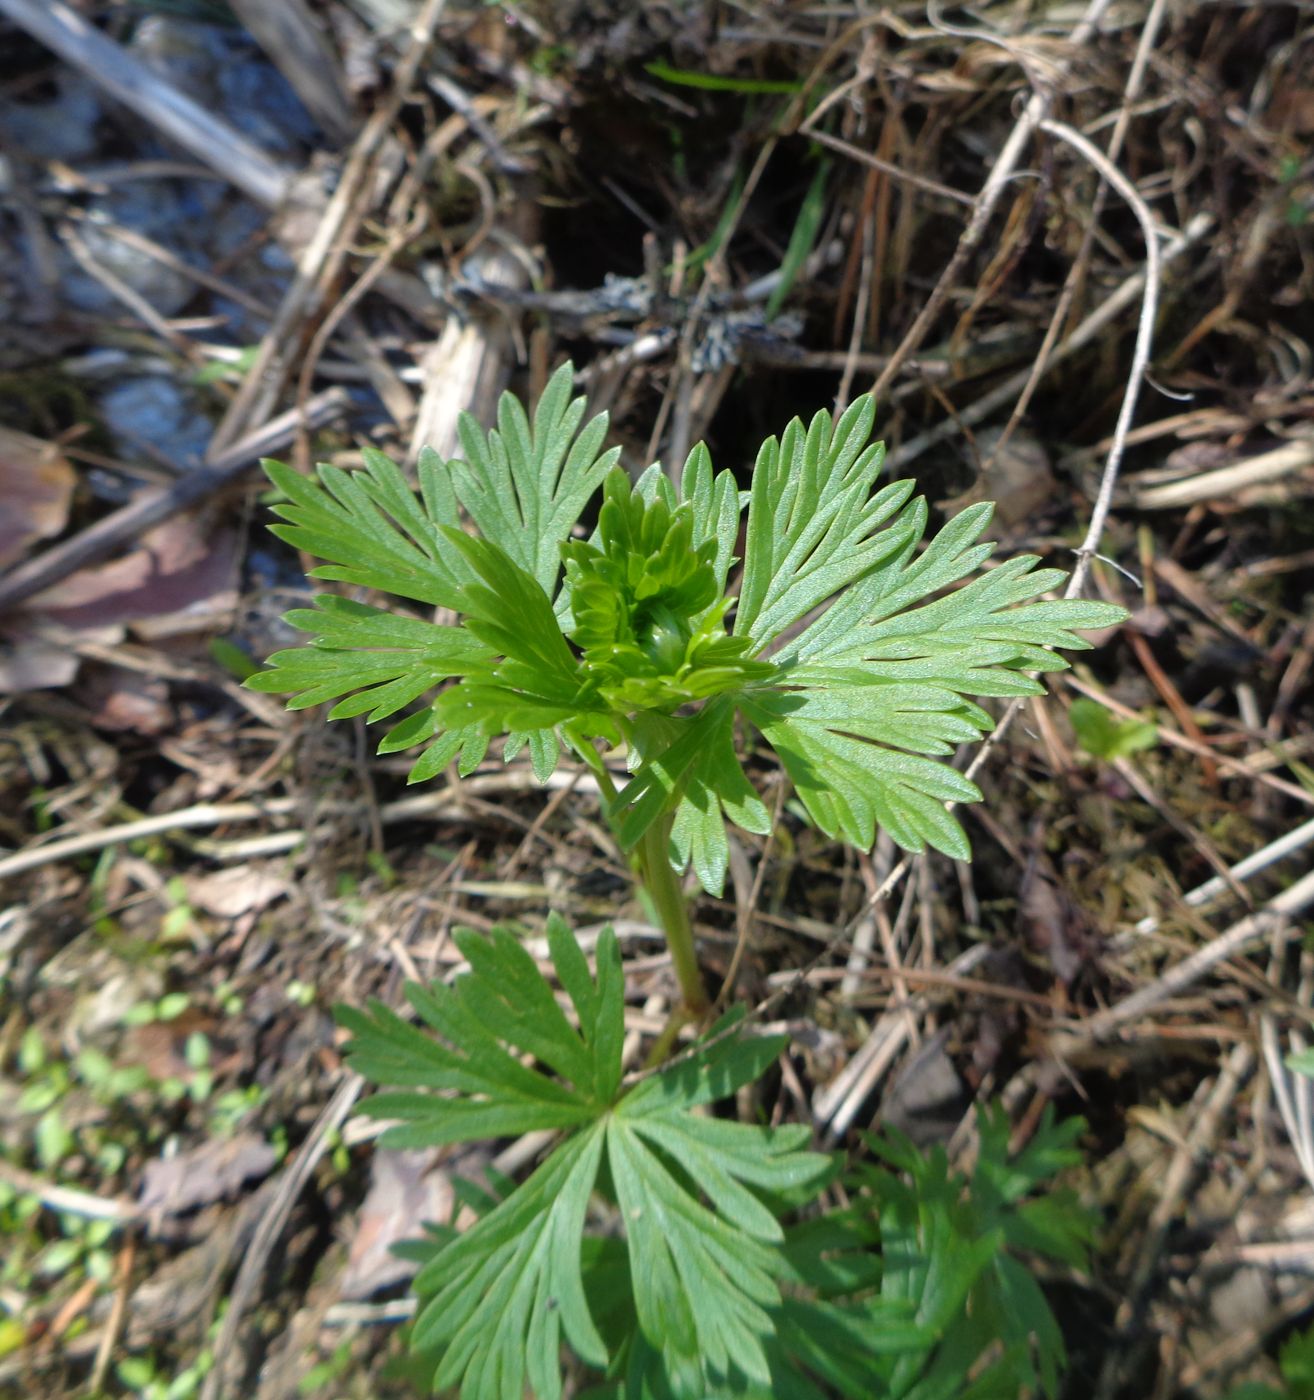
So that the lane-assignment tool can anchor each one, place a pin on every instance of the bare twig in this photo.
(1140, 355)
(1085, 334)
(1076, 274)
(67, 1199)
(1293, 1093)
(1205, 894)
(206, 815)
(273, 1221)
(1274, 916)
(319, 265)
(1140, 359)
(1185, 1161)
(836, 1106)
(1225, 482)
(290, 35)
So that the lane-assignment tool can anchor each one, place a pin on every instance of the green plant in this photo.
(834, 648)
(1103, 735)
(677, 1252)
(140, 1376)
(688, 1283)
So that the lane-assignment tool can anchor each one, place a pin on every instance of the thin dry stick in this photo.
(745, 916)
(1035, 112)
(1140, 360)
(1168, 735)
(442, 803)
(1185, 1160)
(1205, 894)
(1130, 92)
(1087, 332)
(272, 1221)
(895, 172)
(397, 240)
(859, 310)
(1223, 483)
(289, 33)
(68, 1200)
(1292, 1092)
(1140, 354)
(128, 296)
(113, 1330)
(1273, 917)
(836, 1106)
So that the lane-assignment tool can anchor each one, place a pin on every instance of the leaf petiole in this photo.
(657, 875)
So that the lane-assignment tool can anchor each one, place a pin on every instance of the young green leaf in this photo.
(702, 1242)
(525, 485)
(952, 1253)
(1104, 735)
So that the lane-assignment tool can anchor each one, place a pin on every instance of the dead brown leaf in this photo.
(126, 701)
(178, 579)
(201, 1175)
(36, 485)
(406, 1189)
(29, 662)
(243, 889)
(1016, 476)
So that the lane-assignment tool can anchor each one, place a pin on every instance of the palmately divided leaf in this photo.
(524, 485)
(702, 1286)
(965, 640)
(383, 660)
(879, 682)
(705, 1278)
(850, 785)
(812, 518)
(370, 527)
(485, 1023)
(497, 1056)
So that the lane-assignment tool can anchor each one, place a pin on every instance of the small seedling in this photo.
(851, 650)
(657, 1241)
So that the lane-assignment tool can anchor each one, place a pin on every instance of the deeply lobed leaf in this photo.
(499, 1056)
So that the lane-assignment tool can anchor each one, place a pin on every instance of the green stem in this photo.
(658, 877)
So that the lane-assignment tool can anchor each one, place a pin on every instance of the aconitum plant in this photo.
(675, 1253)
(848, 647)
